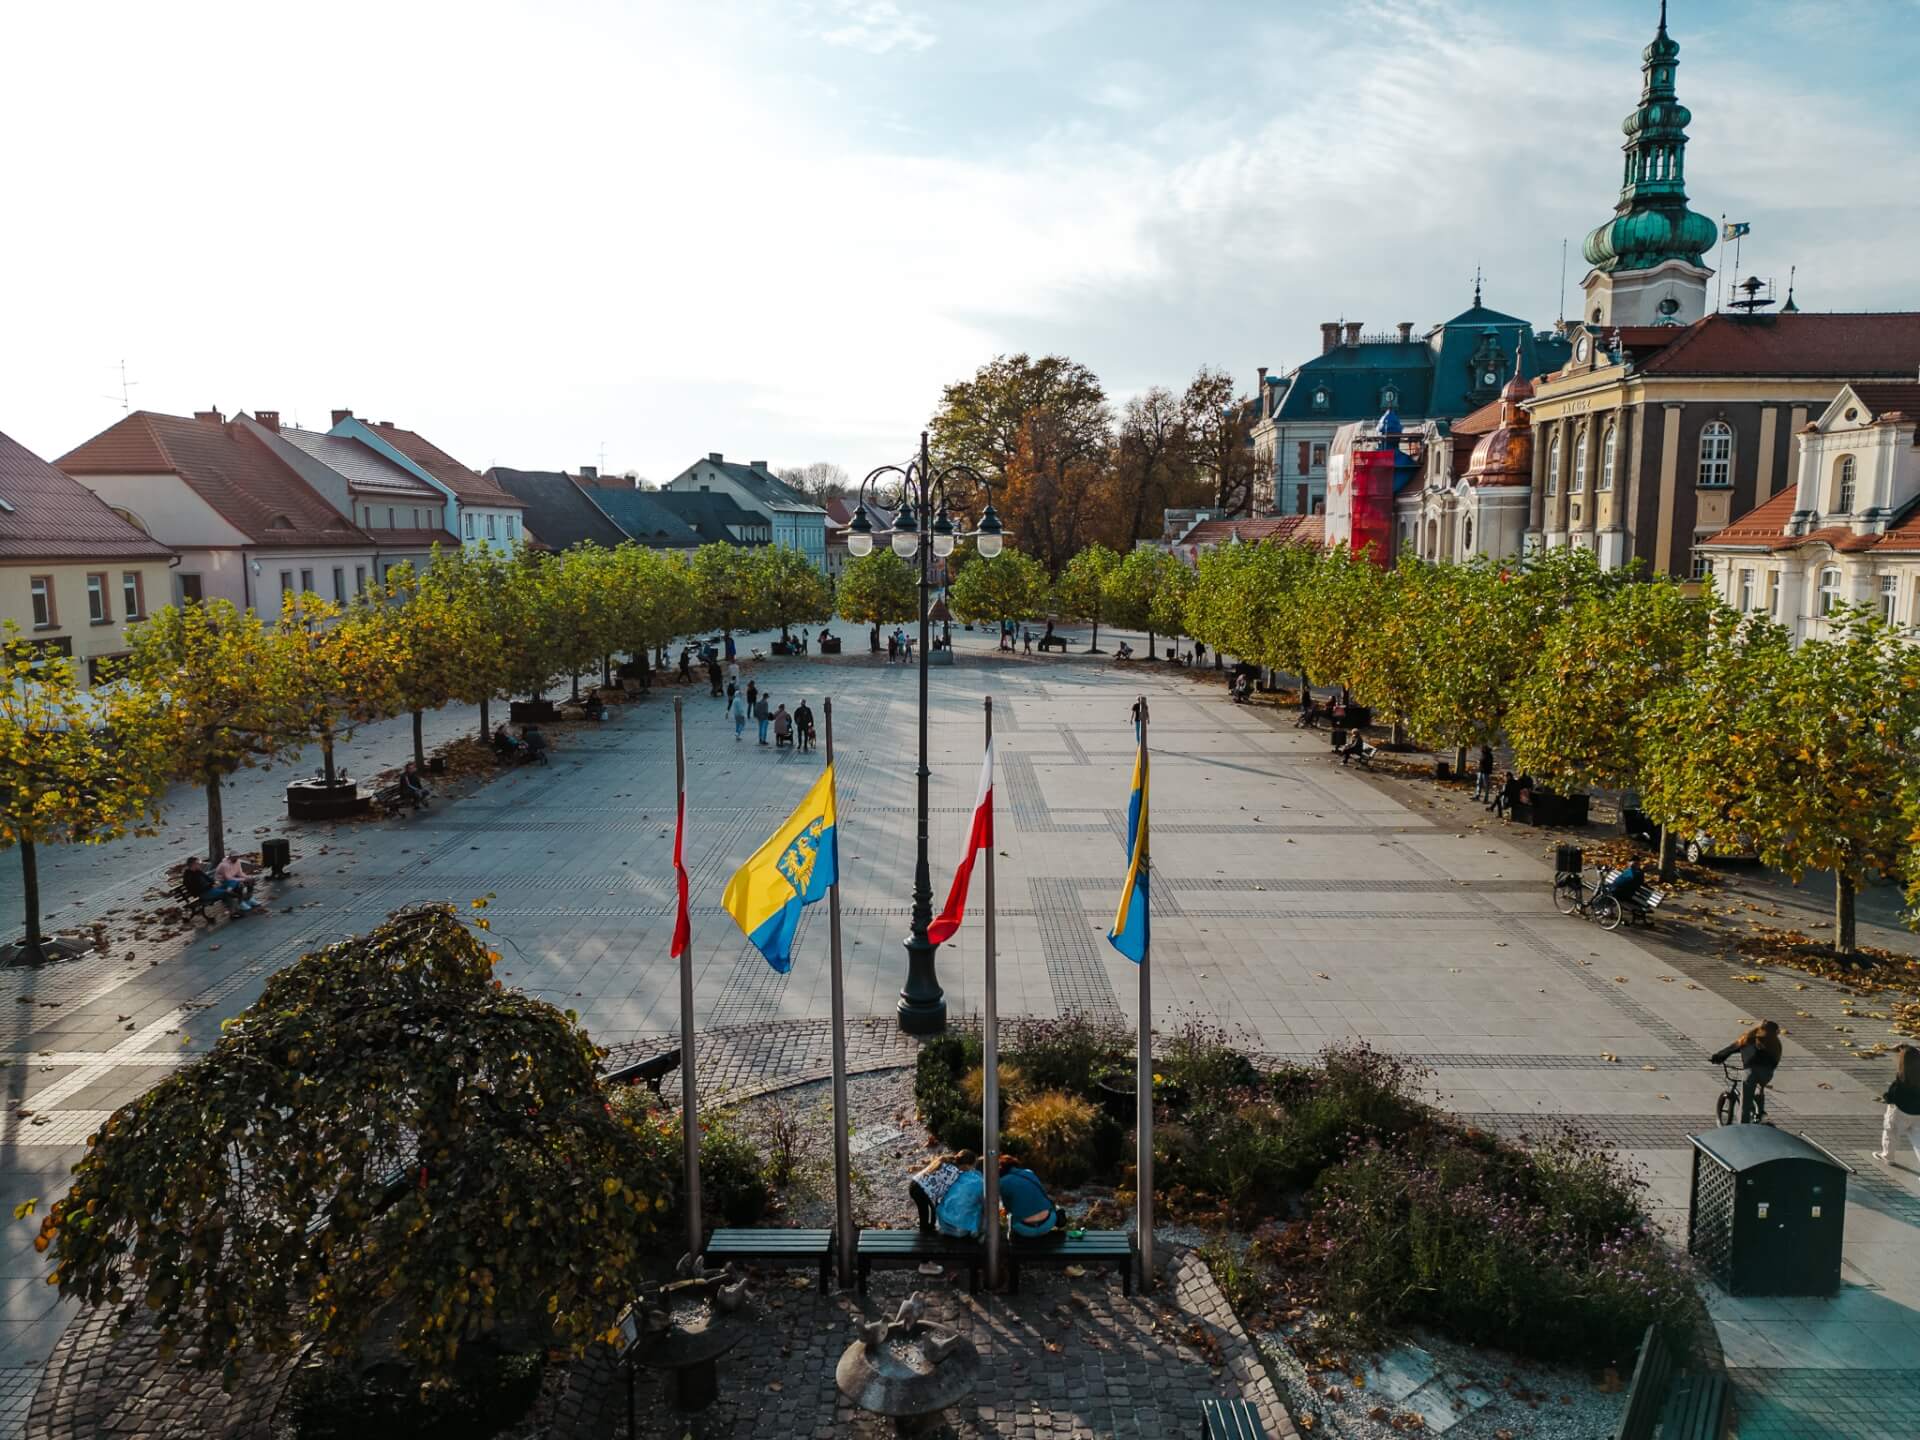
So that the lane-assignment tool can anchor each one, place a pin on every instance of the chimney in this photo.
(1405, 327)
(384, 424)
(268, 419)
(1260, 394)
(756, 464)
(590, 473)
(212, 417)
(1329, 336)
(715, 456)
(1353, 332)
(340, 415)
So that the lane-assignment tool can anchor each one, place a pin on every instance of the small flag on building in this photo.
(1733, 229)
(797, 866)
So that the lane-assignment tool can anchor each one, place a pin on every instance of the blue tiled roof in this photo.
(712, 516)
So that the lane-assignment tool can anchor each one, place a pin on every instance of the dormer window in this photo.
(280, 522)
(1389, 398)
(1321, 398)
(1843, 472)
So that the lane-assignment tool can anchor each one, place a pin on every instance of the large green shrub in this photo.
(733, 1180)
(1549, 1255)
(489, 1390)
(937, 1093)
(1067, 1054)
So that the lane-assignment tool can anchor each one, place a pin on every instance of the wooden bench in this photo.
(1685, 1407)
(1230, 1420)
(1092, 1247)
(1053, 642)
(192, 907)
(773, 1247)
(394, 798)
(905, 1249)
(649, 1072)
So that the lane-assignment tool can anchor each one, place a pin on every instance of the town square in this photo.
(1366, 896)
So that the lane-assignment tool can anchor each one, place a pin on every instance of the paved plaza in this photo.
(1294, 900)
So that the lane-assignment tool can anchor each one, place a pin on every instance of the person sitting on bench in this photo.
(535, 743)
(1242, 688)
(929, 1185)
(412, 788)
(504, 745)
(782, 728)
(1356, 746)
(233, 871)
(1031, 1212)
(959, 1212)
(1308, 714)
(1625, 882)
(1125, 652)
(202, 886)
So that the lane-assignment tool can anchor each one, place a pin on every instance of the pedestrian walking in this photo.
(713, 678)
(733, 671)
(763, 712)
(1902, 1099)
(803, 725)
(1483, 777)
(1027, 635)
(739, 708)
(732, 690)
(753, 695)
(1507, 798)
(893, 647)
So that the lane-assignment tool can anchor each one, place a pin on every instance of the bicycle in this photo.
(1726, 1109)
(1571, 897)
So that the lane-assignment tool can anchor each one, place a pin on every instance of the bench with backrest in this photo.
(1089, 1248)
(906, 1249)
(1683, 1407)
(649, 1072)
(193, 907)
(1053, 642)
(394, 798)
(1230, 1420)
(809, 1248)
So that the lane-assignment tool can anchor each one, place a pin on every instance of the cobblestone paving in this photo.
(1808, 1404)
(1298, 902)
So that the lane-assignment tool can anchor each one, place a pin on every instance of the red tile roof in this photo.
(226, 465)
(1302, 529)
(471, 488)
(45, 515)
(1885, 399)
(1836, 346)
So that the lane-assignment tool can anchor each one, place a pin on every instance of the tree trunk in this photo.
(873, 638)
(576, 687)
(216, 822)
(419, 741)
(606, 671)
(486, 730)
(1094, 647)
(1399, 734)
(1150, 654)
(1666, 852)
(1843, 934)
(1460, 762)
(326, 757)
(32, 954)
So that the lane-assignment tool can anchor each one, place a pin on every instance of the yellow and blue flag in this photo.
(1130, 922)
(796, 867)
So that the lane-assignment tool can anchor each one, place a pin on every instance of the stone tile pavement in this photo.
(1298, 901)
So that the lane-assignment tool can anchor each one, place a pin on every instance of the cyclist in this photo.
(1759, 1051)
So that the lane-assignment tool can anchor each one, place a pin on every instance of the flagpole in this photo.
(689, 1097)
(1143, 1064)
(990, 1066)
(842, 1162)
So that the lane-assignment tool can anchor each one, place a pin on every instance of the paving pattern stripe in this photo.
(1076, 969)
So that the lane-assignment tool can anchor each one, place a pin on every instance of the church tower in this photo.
(1647, 260)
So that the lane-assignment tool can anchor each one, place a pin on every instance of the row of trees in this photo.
(1068, 472)
(209, 690)
(1598, 679)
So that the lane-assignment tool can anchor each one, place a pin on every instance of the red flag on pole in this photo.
(682, 924)
(979, 837)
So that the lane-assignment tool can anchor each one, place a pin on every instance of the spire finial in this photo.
(1663, 17)
(1476, 286)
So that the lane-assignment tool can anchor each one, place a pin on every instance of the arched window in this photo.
(1553, 466)
(1716, 453)
(1577, 481)
(1466, 537)
(1842, 486)
(1433, 540)
(1829, 589)
(1608, 445)
(1389, 398)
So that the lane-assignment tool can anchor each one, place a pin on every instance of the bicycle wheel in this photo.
(1606, 910)
(1727, 1108)
(1566, 894)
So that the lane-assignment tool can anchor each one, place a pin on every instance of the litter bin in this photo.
(276, 855)
(1567, 860)
(1767, 1212)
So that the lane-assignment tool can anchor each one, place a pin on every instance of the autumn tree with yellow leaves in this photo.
(75, 767)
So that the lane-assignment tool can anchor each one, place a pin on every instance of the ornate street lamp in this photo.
(922, 492)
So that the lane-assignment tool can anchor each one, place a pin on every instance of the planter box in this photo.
(532, 711)
(939, 657)
(830, 645)
(316, 800)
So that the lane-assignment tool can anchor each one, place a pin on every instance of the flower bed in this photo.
(1378, 1208)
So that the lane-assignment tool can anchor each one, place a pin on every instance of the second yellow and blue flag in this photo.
(797, 866)
(1130, 923)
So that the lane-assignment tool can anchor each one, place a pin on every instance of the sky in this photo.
(579, 232)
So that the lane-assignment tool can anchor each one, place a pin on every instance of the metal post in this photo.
(689, 1095)
(843, 1236)
(1143, 1063)
(923, 1008)
(990, 1060)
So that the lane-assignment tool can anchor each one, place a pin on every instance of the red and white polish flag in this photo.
(682, 921)
(979, 837)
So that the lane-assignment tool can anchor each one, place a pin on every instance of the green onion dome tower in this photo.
(1646, 261)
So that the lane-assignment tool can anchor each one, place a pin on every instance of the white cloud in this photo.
(878, 27)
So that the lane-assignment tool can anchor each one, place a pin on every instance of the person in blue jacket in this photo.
(959, 1211)
(1031, 1212)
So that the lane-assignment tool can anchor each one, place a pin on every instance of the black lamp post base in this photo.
(923, 1006)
